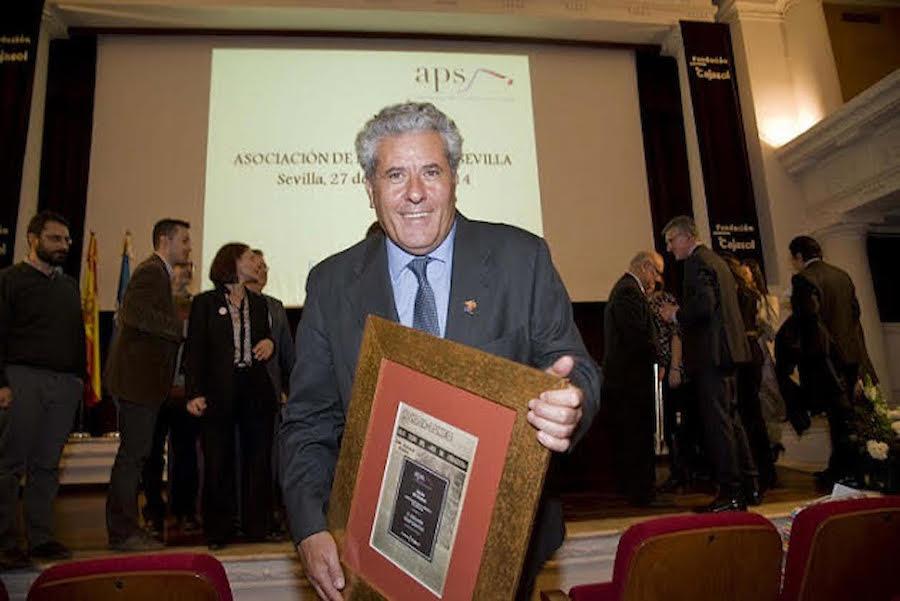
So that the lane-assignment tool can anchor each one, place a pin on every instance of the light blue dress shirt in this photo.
(405, 286)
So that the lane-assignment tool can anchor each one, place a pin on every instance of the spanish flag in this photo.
(92, 394)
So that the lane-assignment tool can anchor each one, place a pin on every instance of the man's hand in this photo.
(319, 555)
(197, 406)
(675, 378)
(5, 397)
(263, 349)
(556, 413)
(667, 311)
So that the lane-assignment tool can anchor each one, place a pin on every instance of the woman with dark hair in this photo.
(229, 341)
(772, 403)
(749, 377)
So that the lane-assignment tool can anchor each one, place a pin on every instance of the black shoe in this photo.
(671, 485)
(14, 558)
(154, 528)
(188, 525)
(753, 495)
(721, 503)
(52, 550)
(139, 541)
(217, 545)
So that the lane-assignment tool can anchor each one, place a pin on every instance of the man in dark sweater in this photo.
(42, 363)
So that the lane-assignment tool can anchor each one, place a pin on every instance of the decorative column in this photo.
(51, 28)
(844, 245)
(673, 46)
(787, 81)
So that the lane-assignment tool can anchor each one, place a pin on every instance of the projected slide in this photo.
(281, 171)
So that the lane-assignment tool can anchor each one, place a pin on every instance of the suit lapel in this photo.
(373, 294)
(469, 286)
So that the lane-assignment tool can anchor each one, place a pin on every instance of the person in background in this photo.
(827, 313)
(42, 366)
(279, 367)
(714, 344)
(228, 384)
(181, 429)
(771, 401)
(749, 377)
(630, 340)
(682, 434)
(139, 371)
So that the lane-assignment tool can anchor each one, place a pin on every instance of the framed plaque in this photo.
(440, 473)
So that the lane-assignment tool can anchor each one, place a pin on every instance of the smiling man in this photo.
(506, 298)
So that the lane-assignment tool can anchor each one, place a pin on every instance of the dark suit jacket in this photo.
(712, 330)
(523, 313)
(209, 354)
(282, 361)
(824, 293)
(141, 361)
(629, 338)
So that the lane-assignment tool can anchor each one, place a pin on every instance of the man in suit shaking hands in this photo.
(714, 343)
(140, 370)
(630, 350)
(490, 286)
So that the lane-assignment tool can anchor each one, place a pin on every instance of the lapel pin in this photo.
(470, 306)
(222, 310)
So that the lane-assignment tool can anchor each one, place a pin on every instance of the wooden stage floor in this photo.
(80, 515)
(271, 571)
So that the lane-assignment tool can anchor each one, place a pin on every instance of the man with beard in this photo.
(42, 364)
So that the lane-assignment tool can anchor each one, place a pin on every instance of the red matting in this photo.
(491, 423)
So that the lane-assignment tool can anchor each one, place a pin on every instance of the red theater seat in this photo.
(156, 577)
(845, 550)
(733, 556)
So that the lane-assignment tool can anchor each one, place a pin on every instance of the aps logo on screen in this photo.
(459, 80)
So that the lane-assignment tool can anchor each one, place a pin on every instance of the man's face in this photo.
(651, 274)
(413, 191)
(248, 267)
(679, 243)
(177, 249)
(262, 274)
(797, 262)
(52, 246)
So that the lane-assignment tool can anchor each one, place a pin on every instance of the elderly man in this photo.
(410, 154)
(42, 358)
(714, 344)
(630, 343)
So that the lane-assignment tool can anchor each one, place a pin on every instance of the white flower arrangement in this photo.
(877, 450)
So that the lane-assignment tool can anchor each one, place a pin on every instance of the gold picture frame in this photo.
(492, 378)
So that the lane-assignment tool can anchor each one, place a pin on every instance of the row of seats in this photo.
(838, 551)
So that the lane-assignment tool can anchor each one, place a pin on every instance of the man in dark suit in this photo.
(832, 345)
(506, 298)
(714, 342)
(279, 366)
(630, 351)
(139, 372)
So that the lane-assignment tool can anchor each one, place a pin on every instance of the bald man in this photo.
(630, 347)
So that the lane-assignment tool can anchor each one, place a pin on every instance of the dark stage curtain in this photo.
(20, 25)
(665, 151)
(68, 123)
